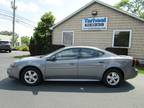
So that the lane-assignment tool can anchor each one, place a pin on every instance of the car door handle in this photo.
(101, 62)
(72, 64)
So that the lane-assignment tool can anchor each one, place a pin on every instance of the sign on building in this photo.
(98, 23)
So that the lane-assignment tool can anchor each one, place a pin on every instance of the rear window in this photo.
(90, 53)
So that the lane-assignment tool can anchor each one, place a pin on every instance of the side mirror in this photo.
(53, 58)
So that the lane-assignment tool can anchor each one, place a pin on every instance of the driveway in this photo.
(13, 94)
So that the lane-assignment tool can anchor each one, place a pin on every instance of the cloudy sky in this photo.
(29, 12)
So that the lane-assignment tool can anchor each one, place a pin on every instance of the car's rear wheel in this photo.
(31, 76)
(113, 78)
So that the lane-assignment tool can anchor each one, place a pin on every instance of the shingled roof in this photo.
(101, 3)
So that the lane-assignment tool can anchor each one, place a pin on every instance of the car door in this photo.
(90, 64)
(65, 65)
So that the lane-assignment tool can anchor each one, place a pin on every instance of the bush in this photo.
(42, 45)
(34, 51)
(22, 48)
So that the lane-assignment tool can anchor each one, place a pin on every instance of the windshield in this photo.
(4, 42)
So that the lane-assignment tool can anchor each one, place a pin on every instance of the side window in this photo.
(90, 53)
(68, 54)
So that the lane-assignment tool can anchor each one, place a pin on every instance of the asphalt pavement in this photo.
(14, 94)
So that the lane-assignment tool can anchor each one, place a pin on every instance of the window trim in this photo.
(130, 38)
(67, 32)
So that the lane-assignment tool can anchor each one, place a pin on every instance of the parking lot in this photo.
(13, 94)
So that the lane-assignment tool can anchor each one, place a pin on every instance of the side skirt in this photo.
(71, 80)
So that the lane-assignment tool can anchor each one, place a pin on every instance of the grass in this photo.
(141, 70)
(22, 56)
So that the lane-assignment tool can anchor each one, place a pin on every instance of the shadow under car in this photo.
(76, 87)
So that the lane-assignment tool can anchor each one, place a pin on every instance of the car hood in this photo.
(36, 58)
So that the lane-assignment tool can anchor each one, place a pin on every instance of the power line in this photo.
(2, 10)
(17, 22)
(17, 19)
(8, 15)
(24, 18)
(18, 16)
(5, 18)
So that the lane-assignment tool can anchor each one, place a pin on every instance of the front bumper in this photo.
(13, 73)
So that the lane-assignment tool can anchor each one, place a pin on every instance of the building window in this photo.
(122, 38)
(68, 38)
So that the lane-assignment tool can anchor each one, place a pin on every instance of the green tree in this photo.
(135, 7)
(25, 40)
(6, 33)
(42, 36)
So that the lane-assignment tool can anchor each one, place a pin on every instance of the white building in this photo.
(9, 38)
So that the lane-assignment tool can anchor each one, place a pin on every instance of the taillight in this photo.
(135, 62)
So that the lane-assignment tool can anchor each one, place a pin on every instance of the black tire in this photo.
(116, 82)
(25, 80)
(9, 51)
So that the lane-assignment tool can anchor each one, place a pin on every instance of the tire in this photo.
(113, 78)
(31, 76)
(9, 51)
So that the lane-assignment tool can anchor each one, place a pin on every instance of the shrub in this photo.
(35, 50)
(41, 41)
(22, 48)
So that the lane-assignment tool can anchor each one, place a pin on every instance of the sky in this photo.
(30, 12)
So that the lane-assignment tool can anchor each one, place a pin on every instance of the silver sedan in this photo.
(76, 63)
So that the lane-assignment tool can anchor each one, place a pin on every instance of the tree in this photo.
(135, 7)
(25, 40)
(42, 36)
(7, 33)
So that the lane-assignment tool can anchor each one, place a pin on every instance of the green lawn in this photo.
(22, 56)
(141, 69)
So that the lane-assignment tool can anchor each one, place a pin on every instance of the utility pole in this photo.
(13, 23)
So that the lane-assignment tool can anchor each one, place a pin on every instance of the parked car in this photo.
(5, 46)
(76, 63)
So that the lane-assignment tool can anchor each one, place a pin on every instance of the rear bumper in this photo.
(132, 74)
(5, 48)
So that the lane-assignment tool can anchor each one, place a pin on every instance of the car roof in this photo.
(91, 47)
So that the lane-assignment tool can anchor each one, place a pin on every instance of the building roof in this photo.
(101, 3)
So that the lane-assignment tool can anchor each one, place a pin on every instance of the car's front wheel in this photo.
(9, 51)
(113, 78)
(31, 76)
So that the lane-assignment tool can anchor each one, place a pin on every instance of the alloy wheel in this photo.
(113, 78)
(31, 77)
